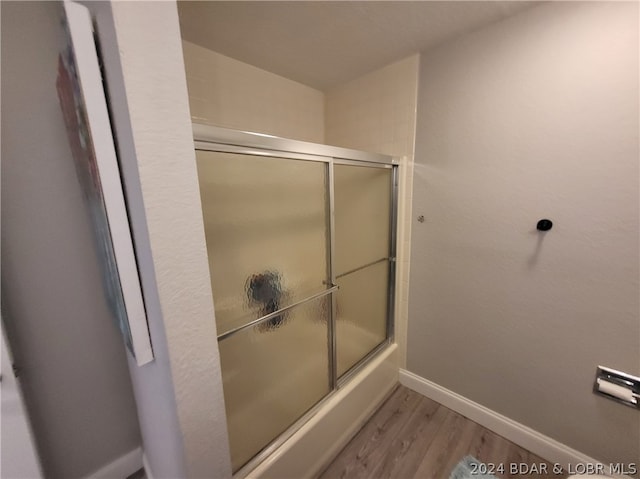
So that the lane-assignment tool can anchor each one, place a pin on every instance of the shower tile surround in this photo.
(375, 112)
(232, 94)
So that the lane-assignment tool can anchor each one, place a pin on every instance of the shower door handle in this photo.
(269, 316)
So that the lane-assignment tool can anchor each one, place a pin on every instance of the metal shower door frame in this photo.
(223, 140)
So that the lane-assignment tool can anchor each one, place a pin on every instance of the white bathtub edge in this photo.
(311, 448)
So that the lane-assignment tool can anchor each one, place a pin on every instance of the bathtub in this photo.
(330, 426)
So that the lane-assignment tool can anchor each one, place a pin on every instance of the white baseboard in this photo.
(122, 467)
(525, 437)
(147, 467)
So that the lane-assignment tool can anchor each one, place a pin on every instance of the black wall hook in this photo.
(544, 225)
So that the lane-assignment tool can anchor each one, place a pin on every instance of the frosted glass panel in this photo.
(273, 375)
(265, 222)
(361, 313)
(362, 208)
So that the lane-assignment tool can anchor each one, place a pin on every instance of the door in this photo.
(363, 259)
(265, 221)
(301, 254)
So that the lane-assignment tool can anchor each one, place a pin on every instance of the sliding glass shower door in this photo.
(363, 243)
(265, 223)
(299, 251)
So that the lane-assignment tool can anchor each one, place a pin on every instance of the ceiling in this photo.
(323, 44)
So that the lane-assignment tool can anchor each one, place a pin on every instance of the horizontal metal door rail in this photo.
(213, 134)
(266, 317)
(363, 267)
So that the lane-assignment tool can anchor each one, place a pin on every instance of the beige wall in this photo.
(377, 113)
(232, 94)
(533, 117)
(72, 359)
(179, 395)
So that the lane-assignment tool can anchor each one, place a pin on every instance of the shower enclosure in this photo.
(301, 247)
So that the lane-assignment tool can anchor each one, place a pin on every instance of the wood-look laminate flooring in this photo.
(411, 436)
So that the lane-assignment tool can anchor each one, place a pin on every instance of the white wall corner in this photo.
(179, 395)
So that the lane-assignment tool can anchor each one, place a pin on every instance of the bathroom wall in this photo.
(377, 112)
(179, 395)
(533, 117)
(232, 94)
(72, 359)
